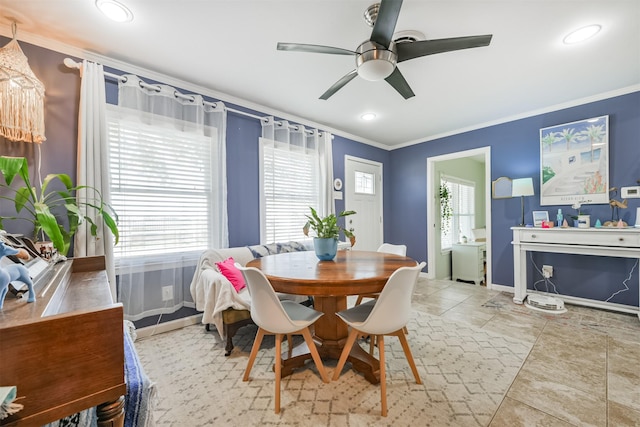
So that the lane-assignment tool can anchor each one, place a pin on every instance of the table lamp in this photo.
(521, 187)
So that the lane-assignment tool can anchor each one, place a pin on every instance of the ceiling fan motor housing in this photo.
(375, 62)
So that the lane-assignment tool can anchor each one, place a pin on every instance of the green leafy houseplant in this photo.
(446, 210)
(42, 206)
(327, 227)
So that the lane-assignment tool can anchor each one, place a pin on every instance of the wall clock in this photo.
(337, 184)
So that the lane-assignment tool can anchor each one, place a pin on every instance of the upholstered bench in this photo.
(214, 295)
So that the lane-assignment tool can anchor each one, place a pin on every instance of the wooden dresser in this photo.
(65, 351)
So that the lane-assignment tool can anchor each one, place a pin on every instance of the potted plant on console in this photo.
(42, 206)
(327, 233)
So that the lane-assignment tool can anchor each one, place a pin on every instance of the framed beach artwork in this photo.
(574, 162)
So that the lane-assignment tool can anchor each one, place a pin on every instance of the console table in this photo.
(610, 242)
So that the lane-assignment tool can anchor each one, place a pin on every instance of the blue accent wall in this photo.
(515, 152)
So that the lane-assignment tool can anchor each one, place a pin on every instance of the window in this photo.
(364, 183)
(162, 186)
(290, 180)
(462, 219)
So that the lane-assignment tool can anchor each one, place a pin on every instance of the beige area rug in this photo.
(465, 373)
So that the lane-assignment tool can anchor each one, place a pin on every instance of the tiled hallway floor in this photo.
(583, 370)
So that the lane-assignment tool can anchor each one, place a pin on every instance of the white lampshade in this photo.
(375, 69)
(522, 187)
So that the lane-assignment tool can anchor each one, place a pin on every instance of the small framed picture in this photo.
(539, 217)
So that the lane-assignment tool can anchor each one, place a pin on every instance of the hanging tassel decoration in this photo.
(21, 96)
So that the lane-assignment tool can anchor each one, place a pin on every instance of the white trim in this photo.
(551, 108)
(264, 110)
(501, 288)
(374, 163)
(433, 180)
(172, 325)
(591, 303)
(172, 81)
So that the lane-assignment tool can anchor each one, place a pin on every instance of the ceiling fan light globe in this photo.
(374, 62)
(375, 69)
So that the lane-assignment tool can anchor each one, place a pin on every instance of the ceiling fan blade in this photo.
(386, 22)
(417, 49)
(313, 48)
(396, 79)
(339, 84)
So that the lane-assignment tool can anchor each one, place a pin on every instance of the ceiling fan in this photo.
(377, 57)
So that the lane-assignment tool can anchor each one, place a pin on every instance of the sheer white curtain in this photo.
(174, 192)
(296, 173)
(93, 164)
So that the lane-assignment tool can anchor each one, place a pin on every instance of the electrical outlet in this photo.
(547, 271)
(167, 293)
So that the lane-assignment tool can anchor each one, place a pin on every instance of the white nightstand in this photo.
(468, 261)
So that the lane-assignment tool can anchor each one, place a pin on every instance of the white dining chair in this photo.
(387, 248)
(279, 318)
(393, 249)
(384, 316)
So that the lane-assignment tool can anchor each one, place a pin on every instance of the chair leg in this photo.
(383, 376)
(353, 334)
(407, 353)
(254, 353)
(372, 344)
(278, 371)
(359, 300)
(314, 353)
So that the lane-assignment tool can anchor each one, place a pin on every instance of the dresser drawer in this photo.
(590, 237)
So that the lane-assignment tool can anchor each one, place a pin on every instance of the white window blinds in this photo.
(290, 180)
(462, 220)
(162, 186)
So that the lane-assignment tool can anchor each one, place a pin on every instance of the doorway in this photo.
(435, 255)
(363, 194)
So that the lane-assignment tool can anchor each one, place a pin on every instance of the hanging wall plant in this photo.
(446, 210)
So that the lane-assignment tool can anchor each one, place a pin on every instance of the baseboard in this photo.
(168, 326)
(501, 288)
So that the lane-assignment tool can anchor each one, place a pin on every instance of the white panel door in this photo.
(363, 194)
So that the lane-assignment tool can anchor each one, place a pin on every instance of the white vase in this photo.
(584, 221)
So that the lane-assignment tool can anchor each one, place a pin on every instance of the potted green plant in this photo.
(43, 205)
(327, 233)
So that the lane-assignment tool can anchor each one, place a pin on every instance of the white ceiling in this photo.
(229, 47)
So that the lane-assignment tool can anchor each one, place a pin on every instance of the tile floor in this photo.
(583, 369)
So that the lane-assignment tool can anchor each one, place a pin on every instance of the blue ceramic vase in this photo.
(326, 249)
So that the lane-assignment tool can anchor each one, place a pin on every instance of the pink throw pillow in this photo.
(229, 270)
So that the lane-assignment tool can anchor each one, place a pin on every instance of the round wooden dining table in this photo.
(330, 282)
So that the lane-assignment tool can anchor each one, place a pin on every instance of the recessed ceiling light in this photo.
(582, 34)
(114, 10)
(368, 116)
